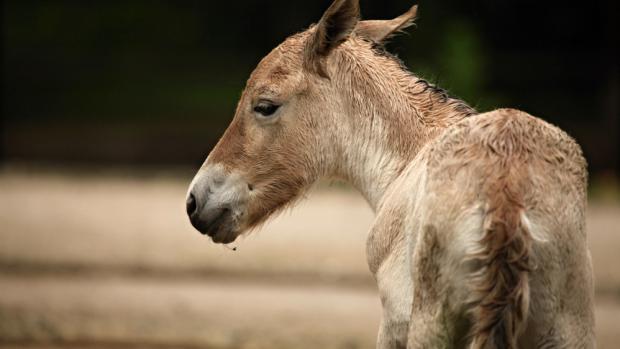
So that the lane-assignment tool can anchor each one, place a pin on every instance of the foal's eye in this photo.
(266, 108)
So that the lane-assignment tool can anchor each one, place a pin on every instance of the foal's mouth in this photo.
(219, 227)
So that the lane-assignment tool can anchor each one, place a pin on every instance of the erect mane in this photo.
(434, 92)
(434, 104)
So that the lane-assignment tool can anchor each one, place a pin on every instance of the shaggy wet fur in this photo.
(479, 240)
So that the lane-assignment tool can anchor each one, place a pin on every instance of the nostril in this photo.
(191, 204)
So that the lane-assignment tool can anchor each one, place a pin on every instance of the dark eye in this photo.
(265, 108)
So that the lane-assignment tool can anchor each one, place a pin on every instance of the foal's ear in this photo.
(379, 31)
(333, 29)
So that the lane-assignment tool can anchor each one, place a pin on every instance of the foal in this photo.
(479, 240)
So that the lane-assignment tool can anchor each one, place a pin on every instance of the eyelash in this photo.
(266, 109)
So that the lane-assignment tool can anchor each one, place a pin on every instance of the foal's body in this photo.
(479, 240)
(444, 193)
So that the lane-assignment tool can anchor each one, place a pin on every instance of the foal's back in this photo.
(502, 229)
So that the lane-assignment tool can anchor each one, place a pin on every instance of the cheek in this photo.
(277, 184)
(259, 139)
(285, 165)
(282, 152)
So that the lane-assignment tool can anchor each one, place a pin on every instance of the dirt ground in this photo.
(110, 261)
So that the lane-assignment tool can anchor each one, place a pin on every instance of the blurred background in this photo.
(108, 109)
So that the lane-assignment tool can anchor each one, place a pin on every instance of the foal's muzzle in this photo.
(215, 204)
(210, 222)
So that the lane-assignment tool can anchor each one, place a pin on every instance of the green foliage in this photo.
(184, 63)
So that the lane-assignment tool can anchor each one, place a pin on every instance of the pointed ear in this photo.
(334, 28)
(379, 31)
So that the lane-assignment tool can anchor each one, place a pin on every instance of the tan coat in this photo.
(479, 240)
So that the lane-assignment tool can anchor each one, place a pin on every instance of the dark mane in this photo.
(436, 92)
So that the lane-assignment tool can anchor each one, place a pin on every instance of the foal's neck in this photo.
(392, 115)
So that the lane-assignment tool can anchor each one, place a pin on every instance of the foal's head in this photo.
(284, 133)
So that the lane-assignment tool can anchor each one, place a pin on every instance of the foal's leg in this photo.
(436, 326)
(426, 332)
(568, 332)
(395, 289)
(436, 321)
(388, 259)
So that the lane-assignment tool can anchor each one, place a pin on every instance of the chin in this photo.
(221, 230)
(224, 236)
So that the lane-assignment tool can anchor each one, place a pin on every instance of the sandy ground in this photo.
(111, 261)
(189, 313)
